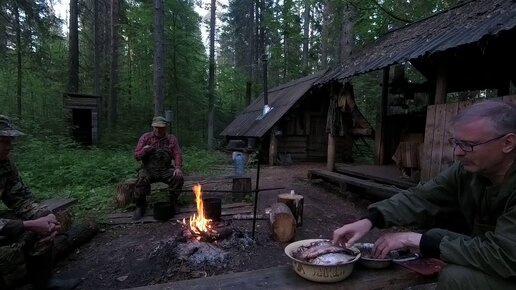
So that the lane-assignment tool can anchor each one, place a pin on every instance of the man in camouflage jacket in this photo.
(156, 150)
(26, 234)
(469, 210)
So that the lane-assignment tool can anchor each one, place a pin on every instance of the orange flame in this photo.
(198, 223)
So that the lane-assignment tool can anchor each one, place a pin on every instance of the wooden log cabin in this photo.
(294, 128)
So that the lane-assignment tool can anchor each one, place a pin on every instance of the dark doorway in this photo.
(81, 122)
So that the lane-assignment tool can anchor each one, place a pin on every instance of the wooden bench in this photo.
(377, 190)
(284, 277)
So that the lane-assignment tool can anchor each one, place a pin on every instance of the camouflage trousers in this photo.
(146, 176)
(17, 260)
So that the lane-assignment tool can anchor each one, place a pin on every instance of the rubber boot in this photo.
(139, 211)
(174, 201)
(39, 270)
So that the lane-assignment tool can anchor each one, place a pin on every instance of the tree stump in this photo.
(295, 204)
(282, 222)
(241, 186)
(125, 192)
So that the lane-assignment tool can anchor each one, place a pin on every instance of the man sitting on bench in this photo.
(156, 150)
(26, 238)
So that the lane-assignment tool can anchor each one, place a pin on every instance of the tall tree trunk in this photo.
(18, 60)
(346, 33)
(306, 36)
(325, 34)
(113, 87)
(211, 81)
(96, 48)
(73, 48)
(159, 61)
(251, 55)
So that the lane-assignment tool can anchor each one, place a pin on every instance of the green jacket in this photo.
(462, 202)
(16, 196)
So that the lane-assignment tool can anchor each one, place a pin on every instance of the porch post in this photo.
(273, 148)
(380, 120)
(330, 162)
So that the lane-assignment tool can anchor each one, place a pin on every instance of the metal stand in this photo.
(256, 192)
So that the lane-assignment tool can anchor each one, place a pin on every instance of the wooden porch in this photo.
(374, 181)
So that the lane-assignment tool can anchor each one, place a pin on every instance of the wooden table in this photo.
(284, 277)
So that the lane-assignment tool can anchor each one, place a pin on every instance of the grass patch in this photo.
(57, 167)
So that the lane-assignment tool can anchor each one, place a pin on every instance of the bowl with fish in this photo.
(320, 261)
(367, 260)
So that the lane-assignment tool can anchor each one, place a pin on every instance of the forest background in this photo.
(146, 57)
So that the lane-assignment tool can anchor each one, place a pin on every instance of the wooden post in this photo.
(241, 185)
(273, 148)
(330, 163)
(380, 120)
(441, 86)
(295, 204)
(282, 222)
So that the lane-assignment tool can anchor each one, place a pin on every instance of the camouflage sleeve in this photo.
(19, 198)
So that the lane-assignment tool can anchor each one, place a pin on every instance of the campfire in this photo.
(199, 226)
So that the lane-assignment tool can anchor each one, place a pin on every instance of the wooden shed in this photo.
(293, 124)
(84, 117)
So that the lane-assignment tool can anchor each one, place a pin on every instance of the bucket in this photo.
(163, 211)
(212, 208)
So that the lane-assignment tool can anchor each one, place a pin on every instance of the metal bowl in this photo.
(366, 260)
(324, 272)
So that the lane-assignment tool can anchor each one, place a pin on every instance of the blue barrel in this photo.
(239, 162)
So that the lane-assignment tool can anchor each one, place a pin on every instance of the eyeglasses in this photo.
(467, 146)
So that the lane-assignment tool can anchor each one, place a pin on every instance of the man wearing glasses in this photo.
(469, 209)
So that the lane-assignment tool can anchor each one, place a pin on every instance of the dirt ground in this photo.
(134, 255)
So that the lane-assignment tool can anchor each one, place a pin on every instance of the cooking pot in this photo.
(212, 208)
(320, 273)
(163, 211)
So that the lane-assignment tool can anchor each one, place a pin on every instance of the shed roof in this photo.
(281, 99)
(464, 24)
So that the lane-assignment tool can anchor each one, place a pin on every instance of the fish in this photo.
(324, 253)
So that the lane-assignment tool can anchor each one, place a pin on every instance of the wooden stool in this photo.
(241, 186)
(295, 204)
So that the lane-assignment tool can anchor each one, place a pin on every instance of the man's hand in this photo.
(350, 233)
(394, 241)
(44, 226)
(178, 172)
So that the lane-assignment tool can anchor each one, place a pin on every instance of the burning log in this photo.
(283, 223)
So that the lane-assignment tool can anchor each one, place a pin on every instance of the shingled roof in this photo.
(281, 99)
(458, 26)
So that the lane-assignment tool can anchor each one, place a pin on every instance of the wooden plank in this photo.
(437, 146)
(126, 218)
(284, 277)
(426, 162)
(57, 203)
(377, 189)
(376, 175)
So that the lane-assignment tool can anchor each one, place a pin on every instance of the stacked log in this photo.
(282, 222)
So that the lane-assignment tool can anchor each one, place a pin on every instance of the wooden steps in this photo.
(355, 184)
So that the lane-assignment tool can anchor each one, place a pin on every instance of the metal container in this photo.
(212, 208)
(325, 273)
(374, 263)
(163, 211)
